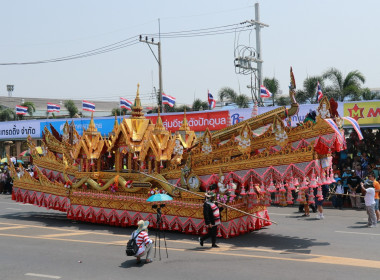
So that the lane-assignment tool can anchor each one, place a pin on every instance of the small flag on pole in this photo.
(264, 92)
(88, 106)
(51, 107)
(21, 110)
(319, 92)
(211, 100)
(168, 100)
(125, 103)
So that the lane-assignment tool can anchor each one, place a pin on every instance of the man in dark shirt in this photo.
(353, 183)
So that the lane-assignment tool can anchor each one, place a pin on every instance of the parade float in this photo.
(250, 165)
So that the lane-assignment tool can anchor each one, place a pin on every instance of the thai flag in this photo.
(335, 128)
(355, 125)
(125, 103)
(51, 107)
(168, 100)
(319, 92)
(21, 110)
(211, 100)
(264, 92)
(88, 106)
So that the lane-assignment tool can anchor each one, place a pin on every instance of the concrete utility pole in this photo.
(249, 61)
(258, 45)
(259, 60)
(159, 61)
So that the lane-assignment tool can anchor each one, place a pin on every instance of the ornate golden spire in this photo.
(184, 126)
(159, 125)
(137, 108)
(91, 127)
(116, 123)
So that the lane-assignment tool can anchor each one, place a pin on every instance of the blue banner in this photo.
(103, 125)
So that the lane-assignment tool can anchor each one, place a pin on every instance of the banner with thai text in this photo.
(197, 121)
(19, 129)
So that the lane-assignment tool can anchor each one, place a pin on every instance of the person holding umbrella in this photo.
(211, 213)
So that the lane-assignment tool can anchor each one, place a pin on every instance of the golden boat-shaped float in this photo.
(108, 179)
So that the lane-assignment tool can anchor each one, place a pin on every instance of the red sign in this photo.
(198, 121)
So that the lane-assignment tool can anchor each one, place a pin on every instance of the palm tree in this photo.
(70, 106)
(242, 101)
(6, 114)
(309, 92)
(199, 105)
(272, 85)
(227, 93)
(30, 106)
(342, 87)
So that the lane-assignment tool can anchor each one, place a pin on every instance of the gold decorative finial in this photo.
(159, 125)
(184, 126)
(91, 126)
(137, 108)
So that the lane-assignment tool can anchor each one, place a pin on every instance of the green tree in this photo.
(199, 105)
(242, 101)
(342, 87)
(309, 92)
(30, 106)
(367, 94)
(119, 112)
(272, 85)
(228, 94)
(182, 108)
(283, 100)
(6, 114)
(70, 106)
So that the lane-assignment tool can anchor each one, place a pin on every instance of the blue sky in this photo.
(311, 36)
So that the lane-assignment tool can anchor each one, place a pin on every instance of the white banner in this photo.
(20, 129)
(304, 109)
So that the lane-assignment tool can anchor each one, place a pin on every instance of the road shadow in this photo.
(131, 263)
(255, 239)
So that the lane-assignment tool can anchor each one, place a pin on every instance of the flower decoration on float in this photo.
(68, 184)
(154, 191)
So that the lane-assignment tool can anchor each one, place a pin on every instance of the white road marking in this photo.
(278, 214)
(362, 233)
(43, 275)
(15, 203)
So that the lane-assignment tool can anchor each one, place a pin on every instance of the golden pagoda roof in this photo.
(137, 108)
(184, 126)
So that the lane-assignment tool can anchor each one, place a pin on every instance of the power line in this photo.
(211, 31)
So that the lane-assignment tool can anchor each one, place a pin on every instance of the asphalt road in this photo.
(36, 243)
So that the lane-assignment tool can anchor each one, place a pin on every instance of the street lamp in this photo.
(10, 90)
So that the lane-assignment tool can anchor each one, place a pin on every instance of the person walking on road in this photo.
(211, 213)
